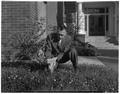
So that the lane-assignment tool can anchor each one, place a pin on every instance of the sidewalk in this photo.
(89, 60)
(112, 63)
(93, 60)
(110, 58)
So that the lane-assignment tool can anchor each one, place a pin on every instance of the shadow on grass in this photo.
(33, 66)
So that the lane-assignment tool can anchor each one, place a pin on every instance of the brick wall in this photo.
(16, 17)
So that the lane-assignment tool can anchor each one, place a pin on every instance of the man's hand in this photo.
(52, 64)
(59, 57)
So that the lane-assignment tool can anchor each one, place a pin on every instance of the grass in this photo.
(88, 79)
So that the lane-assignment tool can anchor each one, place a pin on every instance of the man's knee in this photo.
(74, 57)
(63, 58)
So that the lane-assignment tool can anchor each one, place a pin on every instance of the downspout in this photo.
(63, 12)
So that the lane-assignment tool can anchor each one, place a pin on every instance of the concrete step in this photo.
(111, 53)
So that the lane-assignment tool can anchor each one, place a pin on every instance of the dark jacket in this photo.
(52, 48)
(66, 44)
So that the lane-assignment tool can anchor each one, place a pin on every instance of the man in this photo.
(67, 49)
(51, 47)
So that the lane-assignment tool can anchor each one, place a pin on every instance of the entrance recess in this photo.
(97, 25)
(96, 21)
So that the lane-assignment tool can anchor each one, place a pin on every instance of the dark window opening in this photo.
(107, 21)
(107, 10)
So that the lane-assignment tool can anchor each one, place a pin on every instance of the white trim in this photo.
(87, 24)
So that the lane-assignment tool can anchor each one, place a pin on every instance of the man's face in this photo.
(62, 33)
(61, 36)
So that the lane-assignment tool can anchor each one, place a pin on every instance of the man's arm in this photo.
(68, 44)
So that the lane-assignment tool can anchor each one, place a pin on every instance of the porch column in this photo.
(41, 10)
(41, 18)
(60, 9)
(81, 23)
(111, 21)
(51, 11)
(116, 15)
(81, 20)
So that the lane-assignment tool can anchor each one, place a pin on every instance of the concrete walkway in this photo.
(88, 60)
(83, 60)
(110, 62)
(92, 60)
(109, 57)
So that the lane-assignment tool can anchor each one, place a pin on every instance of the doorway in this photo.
(97, 25)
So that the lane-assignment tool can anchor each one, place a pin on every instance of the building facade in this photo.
(93, 18)
(101, 18)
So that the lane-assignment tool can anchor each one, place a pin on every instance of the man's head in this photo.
(62, 31)
(61, 27)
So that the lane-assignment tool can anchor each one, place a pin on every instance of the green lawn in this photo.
(88, 79)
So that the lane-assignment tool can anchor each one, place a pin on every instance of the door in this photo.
(97, 25)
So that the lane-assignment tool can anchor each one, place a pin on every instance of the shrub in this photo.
(86, 49)
(25, 43)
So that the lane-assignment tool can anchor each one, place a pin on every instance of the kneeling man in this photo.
(67, 49)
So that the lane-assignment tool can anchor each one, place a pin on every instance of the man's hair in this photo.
(62, 27)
